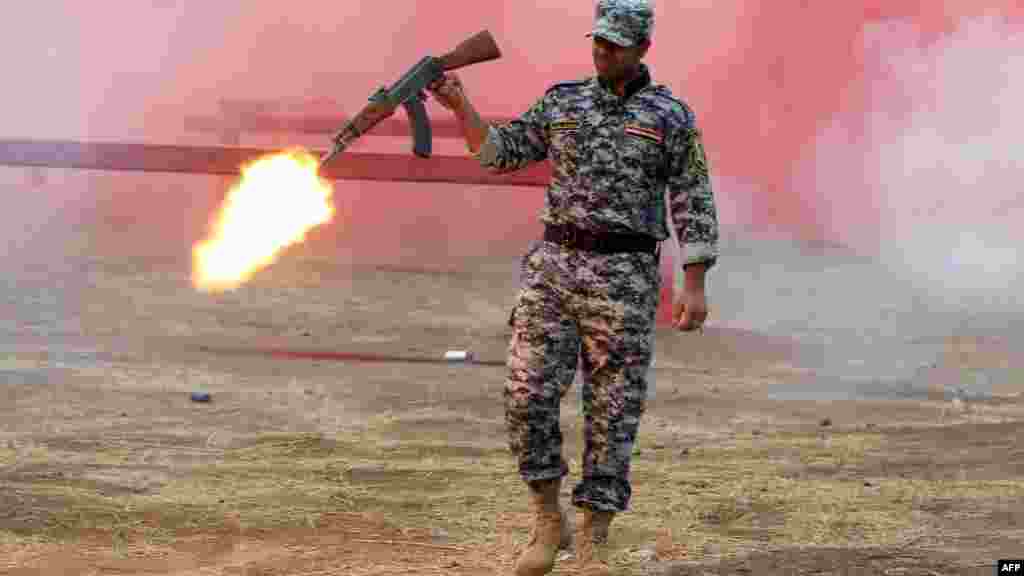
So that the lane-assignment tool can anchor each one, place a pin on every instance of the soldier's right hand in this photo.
(447, 90)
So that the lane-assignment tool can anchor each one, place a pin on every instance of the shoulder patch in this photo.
(696, 157)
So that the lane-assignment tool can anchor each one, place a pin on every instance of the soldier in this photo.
(617, 141)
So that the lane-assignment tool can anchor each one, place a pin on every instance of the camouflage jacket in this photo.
(613, 159)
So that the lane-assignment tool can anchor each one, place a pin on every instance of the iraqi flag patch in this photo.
(645, 132)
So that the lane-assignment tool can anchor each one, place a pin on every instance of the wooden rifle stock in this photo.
(481, 47)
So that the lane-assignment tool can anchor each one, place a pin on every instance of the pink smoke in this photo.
(819, 117)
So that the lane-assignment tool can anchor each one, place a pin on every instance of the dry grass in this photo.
(8, 456)
(709, 502)
(720, 500)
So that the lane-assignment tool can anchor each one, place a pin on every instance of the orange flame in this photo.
(277, 201)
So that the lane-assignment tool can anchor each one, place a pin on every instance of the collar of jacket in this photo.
(641, 81)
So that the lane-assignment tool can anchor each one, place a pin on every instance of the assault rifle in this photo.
(408, 93)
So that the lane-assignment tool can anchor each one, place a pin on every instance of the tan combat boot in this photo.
(593, 543)
(551, 530)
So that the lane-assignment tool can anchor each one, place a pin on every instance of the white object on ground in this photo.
(458, 356)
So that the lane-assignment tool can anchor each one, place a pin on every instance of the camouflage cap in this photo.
(623, 22)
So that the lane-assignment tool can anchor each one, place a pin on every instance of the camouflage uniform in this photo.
(613, 159)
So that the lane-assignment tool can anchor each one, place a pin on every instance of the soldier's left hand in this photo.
(690, 310)
(448, 91)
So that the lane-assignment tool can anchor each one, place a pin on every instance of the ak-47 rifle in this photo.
(408, 93)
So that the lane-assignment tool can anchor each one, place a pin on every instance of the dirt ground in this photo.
(317, 466)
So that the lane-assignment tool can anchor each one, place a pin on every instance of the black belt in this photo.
(604, 243)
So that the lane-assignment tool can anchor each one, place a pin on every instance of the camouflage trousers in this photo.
(599, 309)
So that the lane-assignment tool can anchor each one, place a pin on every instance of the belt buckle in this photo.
(570, 236)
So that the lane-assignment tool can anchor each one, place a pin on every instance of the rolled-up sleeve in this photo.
(691, 198)
(516, 144)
